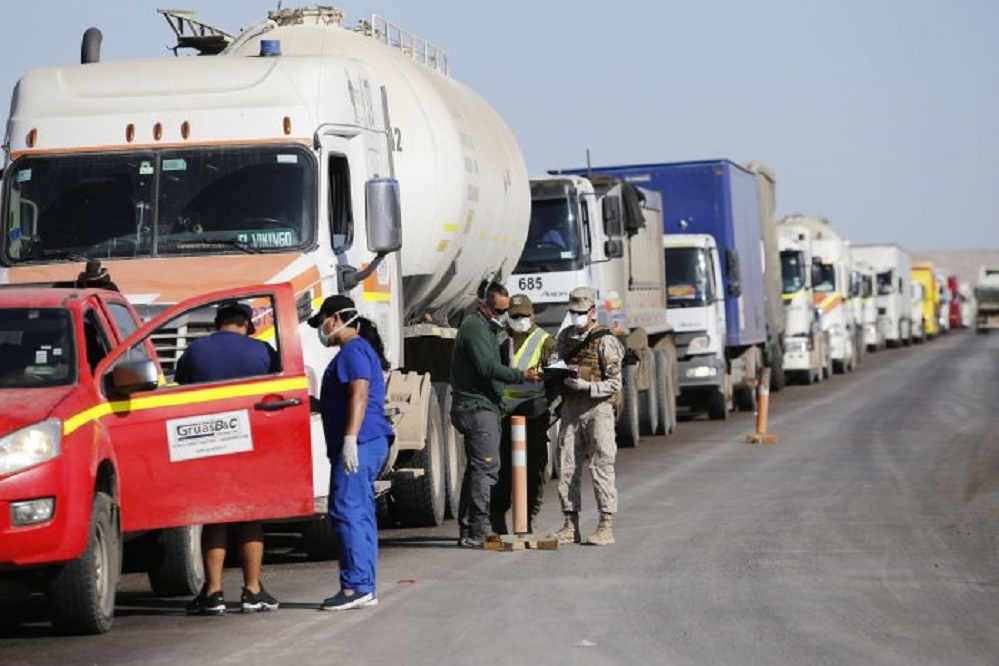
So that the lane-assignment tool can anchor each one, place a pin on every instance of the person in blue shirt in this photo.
(229, 353)
(352, 404)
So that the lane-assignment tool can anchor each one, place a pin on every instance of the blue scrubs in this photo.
(352, 496)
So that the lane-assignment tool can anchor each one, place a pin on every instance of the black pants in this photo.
(537, 459)
(481, 429)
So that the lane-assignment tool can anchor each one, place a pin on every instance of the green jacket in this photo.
(477, 372)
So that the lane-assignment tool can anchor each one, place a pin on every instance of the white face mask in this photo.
(580, 321)
(520, 324)
(500, 320)
(326, 339)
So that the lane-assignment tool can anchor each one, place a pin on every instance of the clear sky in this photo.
(878, 114)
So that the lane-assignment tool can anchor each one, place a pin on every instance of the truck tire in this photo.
(648, 400)
(665, 402)
(176, 568)
(717, 405)
(627, 420)
(778, 379)
(419, 502)
(319, 539)
(454, 452)
(82, 594)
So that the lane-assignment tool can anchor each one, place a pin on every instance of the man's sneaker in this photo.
(211, 604)
(343, 601)
(471, 541)
(262, 601)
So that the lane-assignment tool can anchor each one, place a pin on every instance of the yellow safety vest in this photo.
(528, 356)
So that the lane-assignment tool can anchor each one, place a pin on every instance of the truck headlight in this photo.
(701, 372)
(699, 344)
(30, 446)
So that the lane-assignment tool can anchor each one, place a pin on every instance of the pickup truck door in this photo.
(214, 452)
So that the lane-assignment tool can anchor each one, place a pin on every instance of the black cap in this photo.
(331, 306)
(229, 307)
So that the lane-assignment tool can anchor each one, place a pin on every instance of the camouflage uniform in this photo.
(588, 418)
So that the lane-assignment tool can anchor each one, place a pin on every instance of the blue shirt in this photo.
(225, 355)
(355, 360)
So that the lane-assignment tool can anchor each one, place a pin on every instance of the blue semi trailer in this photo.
(725, 306)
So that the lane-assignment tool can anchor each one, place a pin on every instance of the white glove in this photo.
(577, 384)
(349, 454)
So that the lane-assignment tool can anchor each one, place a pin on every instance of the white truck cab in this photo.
(805, 348)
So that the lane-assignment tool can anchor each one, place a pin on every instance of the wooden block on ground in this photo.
(761, 439)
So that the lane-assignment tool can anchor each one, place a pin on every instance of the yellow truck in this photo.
(925, 275)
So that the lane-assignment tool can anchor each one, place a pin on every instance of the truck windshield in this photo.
(827, 278)
(36, 348)
(885, 284)
(792, 271)
(553, 239)
(689, 279)
(204, 200)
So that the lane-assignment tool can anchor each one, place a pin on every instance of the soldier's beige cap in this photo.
(582, 298)
(520, 304)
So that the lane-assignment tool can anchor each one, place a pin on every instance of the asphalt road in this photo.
(869, 534)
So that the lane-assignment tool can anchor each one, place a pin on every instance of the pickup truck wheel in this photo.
(419, 502)
(627, 420)
(177, 569)
(648, 411)
(454, 452)
(665, 402)
(82, 594)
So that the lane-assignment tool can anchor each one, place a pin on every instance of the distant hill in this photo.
(963, 263)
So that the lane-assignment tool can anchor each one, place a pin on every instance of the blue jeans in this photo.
(352, 510)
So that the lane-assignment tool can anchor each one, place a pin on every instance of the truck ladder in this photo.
(193, 33)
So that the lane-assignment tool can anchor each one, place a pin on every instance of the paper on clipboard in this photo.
(559, 369)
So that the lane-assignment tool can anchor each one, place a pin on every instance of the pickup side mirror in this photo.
(383, 215)
(613, 249)
(130, 377)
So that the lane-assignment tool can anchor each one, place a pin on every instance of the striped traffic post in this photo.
(518, 438)
(761, 436)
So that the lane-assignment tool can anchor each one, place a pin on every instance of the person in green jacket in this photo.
(478, 378)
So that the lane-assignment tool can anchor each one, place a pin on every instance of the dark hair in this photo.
(234, 314)
(367, 330)
(491, 291)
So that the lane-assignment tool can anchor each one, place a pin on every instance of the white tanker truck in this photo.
(254, 164)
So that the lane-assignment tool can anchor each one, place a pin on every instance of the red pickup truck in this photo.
(97, 446)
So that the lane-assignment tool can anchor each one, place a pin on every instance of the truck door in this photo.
(214, 451)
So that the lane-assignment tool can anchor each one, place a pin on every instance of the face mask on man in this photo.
(520, 324)
(580, 320)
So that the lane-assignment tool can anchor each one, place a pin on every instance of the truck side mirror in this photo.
(130, 377)
(734, 289)
(383, 215)
(816, 273)
(612, 217)
(613, 249)
(732, 269)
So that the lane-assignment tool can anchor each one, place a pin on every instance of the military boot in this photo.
(570, 530)
(604, 536)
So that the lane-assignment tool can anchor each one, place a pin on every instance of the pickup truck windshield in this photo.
(689, 280)
(792, 271)
(553, 238)
(205, 200)
(885, 284)
(36, 348)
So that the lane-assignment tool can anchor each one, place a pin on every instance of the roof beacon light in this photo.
(270, 47)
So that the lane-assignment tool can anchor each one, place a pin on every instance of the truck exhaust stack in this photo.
(90, 49)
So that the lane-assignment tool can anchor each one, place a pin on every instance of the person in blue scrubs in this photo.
(352, 404)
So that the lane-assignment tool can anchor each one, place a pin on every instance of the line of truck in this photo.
(309, 158)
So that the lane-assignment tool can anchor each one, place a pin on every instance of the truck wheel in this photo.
(717, 407)
(176, 568)
(778, 379)
(839, 367)
(319, 539)
(627, 420)
(454, 452)
(420, 500)
(648, 400)
(82, 594)
(745, 399)
(664, 393)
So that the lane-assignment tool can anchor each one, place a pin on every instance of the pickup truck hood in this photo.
(22, 407)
